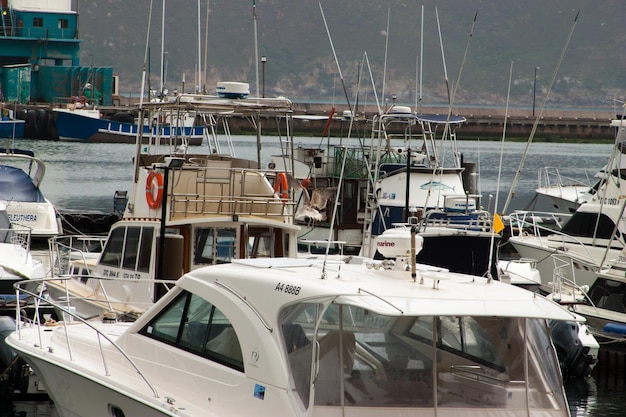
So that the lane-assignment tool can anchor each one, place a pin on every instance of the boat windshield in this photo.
(609, 294)
(422, 362)
(584, 224)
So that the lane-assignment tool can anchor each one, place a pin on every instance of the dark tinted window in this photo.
(609, 294)
(145, 249)
(131, 247)
(193, 324)
(112, 254)
(214, 245)
(585, 224)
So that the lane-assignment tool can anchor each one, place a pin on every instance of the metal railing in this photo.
(551, 177)
(17, 234)
(210, 190)
(41, 300)
(544, 226)
(66, 249)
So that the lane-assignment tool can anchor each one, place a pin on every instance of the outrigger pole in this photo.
(534, 129)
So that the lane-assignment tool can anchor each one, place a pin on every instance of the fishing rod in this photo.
(200, 83)
(445, 133)
(421, 61)
(452, 99)
(162, 69)
(495, 211)
(343, 84)
(543, 105)
(256, 49)
(141, 103)
(331, 229)
(386, 51)
(443, 56)
(206, 45)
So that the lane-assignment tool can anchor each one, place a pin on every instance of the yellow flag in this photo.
(498, 225)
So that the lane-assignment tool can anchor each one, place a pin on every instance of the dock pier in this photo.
(482, 122)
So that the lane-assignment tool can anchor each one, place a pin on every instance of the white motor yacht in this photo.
(184, 211)
(21, 175)
(567, 194)
(578, 242)
(603, 303)
(310, 337)
(592, 238)
(16, 260)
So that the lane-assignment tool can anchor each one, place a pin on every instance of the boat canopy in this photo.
(16, 185)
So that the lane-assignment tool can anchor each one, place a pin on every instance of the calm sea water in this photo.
(84, 177)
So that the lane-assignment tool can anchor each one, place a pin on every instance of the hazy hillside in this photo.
(300, 62)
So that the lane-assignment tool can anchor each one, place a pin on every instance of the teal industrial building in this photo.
(39, 54)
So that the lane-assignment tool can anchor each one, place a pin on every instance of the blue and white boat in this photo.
(10, 127)
(411, 169)
(88, 125)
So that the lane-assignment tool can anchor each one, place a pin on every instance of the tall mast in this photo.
(256, 48)
(162, 82)
(199, 87)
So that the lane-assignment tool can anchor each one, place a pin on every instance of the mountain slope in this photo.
(301, 65)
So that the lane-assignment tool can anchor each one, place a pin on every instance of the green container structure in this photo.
(16, 83)
(59, 84)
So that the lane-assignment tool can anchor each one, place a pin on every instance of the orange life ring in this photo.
(281, 186)
(82, 99)
(154, 202)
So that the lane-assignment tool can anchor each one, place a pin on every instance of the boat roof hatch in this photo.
(268, 263)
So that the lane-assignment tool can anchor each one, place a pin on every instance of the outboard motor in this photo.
(574, 358)
(13, 370)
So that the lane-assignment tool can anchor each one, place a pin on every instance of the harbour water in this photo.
(84, 177)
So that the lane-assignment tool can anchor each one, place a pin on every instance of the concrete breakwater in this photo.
(489, 122)
(311, 120)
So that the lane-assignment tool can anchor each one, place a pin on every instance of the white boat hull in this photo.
(573, 265)
(40, 217)
(565, 199)
(73, 393)
(254, 354)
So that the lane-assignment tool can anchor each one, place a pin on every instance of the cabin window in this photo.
(215, 245)
(64, 24)
(112, 254)
(145, 250)
(38, 22)
(367, 359)
(589, 225)
(260, 243)
(130, 247)
(465, 337)
(193, 324)
(609, 295)
(298, 327)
